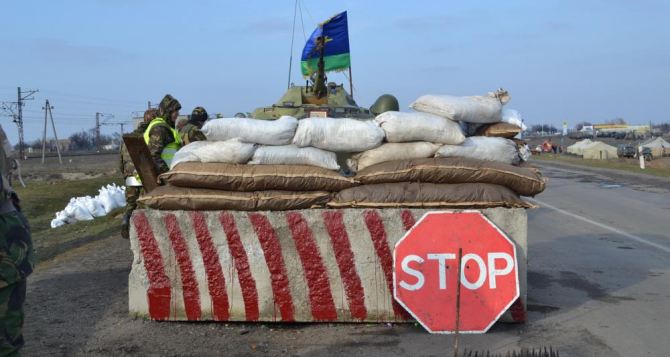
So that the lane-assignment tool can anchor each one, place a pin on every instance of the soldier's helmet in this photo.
(385, 103)
(199, 115)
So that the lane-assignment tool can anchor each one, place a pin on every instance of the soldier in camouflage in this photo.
(133, 185)
(16, 259)
(191, 131)
(161, 137)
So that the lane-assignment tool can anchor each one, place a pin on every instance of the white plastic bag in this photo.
(393, 151)
(256, 131)
(338, 134)
(293, 155)
(93, 206)
(106, 199)
(513, 117)
(407, 127)
(77, 210)
(483, 148)
(475, 109)
(231, 151)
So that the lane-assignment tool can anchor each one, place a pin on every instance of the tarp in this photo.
(576, 148)
(658, 146)
(599, 151)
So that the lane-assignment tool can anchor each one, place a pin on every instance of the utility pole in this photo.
(22, 96)
(97, 130)
(98, 124)
(47, 108)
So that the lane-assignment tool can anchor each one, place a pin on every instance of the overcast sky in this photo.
(561, 60)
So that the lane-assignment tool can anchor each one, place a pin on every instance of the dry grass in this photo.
(628, 165)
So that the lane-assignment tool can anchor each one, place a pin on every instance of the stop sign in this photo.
(426, 269)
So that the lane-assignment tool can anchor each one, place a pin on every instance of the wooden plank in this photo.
(139, 153)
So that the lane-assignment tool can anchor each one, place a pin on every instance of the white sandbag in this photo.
(231, 151)
(392, 151)
(483, 148)
(118, 194)
(255, 131)
(106, 199)
(94, 206)
(474, 109)
(338, 134)
(513, 117)
(77, 210)
(408, 127)
(293, 155)
(61, 219)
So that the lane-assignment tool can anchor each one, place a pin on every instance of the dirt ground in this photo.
(73, 167)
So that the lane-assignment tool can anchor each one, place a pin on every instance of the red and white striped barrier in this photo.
(308, 265)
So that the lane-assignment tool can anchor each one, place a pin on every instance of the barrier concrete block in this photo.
(302, 266)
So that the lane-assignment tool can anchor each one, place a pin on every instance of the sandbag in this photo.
(513, 117)
(415, 194)
(293, 155)
(255, 131)
(407, 127)
(524, 181)
(475, 109)
(201, 199)
(392, 151)
(338, 134)
(77, 210)
(256, 177)
(483, 148)
(498, 130)
(231, 151)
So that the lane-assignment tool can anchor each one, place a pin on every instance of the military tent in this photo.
(598, 150)
(658, 146)
(576, 148)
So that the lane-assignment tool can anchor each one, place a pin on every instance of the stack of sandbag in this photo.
(416, 159)
(408, 136)
(220, 186)
(442, 183)
(455, 153)
(485, 122)
(250, 164)
(86, 208)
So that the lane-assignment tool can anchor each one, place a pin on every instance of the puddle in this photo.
(610, 185)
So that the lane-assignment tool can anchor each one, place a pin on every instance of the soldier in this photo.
(161, 137)
(16, 260)
(132, 179)
(191, 131)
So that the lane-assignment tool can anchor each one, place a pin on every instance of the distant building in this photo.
(62, 144)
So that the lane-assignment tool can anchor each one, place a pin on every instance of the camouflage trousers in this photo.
(132, 194)
(11, 318)
(17, 263)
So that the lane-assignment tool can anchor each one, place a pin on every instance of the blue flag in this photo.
(335, 31)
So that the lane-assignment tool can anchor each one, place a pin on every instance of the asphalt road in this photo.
(599, 285)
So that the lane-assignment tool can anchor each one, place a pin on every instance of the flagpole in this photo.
(351, 83)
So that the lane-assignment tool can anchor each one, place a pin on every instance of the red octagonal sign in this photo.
(426, 266)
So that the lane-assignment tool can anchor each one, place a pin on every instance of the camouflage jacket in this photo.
(190, 133)
(159, 137)
(126, 164)
(16, 247)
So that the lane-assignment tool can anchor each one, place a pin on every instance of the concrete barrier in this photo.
(303, 266)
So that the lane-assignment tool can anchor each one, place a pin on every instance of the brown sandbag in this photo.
(200, 199)
(414, 194)
(524, 181)
(249, 178)
(500, 130)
